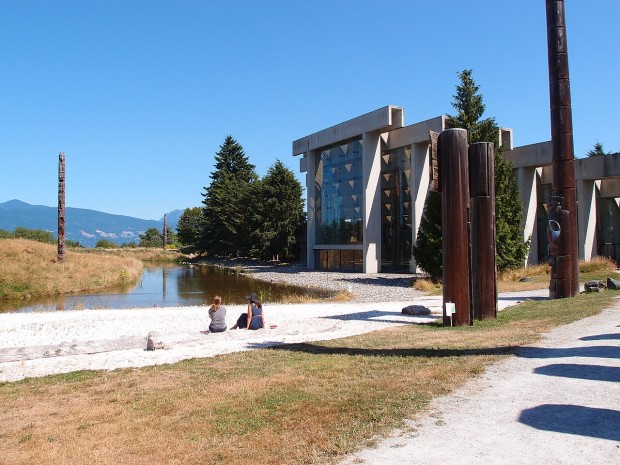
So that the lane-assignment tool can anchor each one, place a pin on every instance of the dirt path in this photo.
(555, 403)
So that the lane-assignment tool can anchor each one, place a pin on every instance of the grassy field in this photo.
(535, 277)
(30, 269)
(295, 404)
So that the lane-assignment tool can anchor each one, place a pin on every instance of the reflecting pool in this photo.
(168, 285)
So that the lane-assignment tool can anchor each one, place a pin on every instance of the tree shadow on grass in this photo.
(318, 349)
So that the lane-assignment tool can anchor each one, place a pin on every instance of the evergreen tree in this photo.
(510, 248)
(189, 226)
(224, 230)
(278, 212)
(151, 238)
(597, 151)
(427, 248)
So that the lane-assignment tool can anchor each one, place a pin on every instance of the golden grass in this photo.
(538, 276)
(293, 298)
(426, 285)
(29, 269)
(146, 254)
(302, 403)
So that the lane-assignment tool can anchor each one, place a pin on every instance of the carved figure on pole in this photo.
(61, 207)
(562, 211)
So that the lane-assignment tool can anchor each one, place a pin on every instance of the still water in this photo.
(168, 286)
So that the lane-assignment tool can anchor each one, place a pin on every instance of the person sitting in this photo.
(245, 319)
(217, 313)
(256, 318)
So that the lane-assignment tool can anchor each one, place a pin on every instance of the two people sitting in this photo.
(252, 319)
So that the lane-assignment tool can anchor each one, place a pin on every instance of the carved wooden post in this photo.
(61, 207)
(562, 212)
(454, 187)
(165, 235)
(483, 269)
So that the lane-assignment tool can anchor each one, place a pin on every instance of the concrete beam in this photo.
(381, 120)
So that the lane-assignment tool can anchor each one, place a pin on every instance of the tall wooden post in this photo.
(562, 210)
(165, 234)
(61, 207)
(454, 188)
(483, 267)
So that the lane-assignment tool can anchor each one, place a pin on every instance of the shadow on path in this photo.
(382, 316)
(601, 337)
(595, 351)
(577, 371)
(574, 419)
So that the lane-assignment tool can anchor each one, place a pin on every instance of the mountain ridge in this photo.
(83, 225)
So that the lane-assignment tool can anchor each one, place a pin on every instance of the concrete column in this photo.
(420, 179)
(526, 178)
(586, 217)
(371, 160)
(311, 206)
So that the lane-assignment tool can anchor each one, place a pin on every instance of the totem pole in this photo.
(562, 205)
(165, 235)
(454, 187)
(61, 207)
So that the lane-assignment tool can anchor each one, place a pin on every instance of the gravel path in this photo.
(556, 403)
(379, 287)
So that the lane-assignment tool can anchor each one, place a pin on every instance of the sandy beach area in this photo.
(39, 344)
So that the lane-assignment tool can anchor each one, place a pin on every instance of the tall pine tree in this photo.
(278, 213)
(510, 247)
(225, 229)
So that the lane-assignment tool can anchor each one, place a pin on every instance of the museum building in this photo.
(367, 180)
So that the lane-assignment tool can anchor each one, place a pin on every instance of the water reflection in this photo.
(168, 286)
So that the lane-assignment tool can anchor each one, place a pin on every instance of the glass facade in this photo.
(339, 195)
(608, 228)
(340, 260)
(396, 211)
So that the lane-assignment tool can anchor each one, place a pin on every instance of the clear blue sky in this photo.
(141, 94)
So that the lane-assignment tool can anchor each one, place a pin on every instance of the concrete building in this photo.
(367, 180)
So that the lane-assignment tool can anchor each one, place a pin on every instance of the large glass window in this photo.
(396, 228)
(338, 195)
(608, 228)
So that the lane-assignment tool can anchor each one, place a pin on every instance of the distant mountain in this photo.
(82, 225)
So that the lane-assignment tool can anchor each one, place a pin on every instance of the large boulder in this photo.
(416, 310)
(613, 284)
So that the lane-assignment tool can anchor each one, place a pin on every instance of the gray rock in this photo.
(613, 284)
(594, 286)
(154, 342)
(416, 310)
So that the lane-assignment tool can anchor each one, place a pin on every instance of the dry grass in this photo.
(302, 403)
(146, 254)
(29, 269)
(426, 285)
(538, 276)
(339, 296)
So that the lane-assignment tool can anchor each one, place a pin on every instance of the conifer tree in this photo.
(189, 226)
(597, 151)
(224, 230)
(511, 250)
(278, 213)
